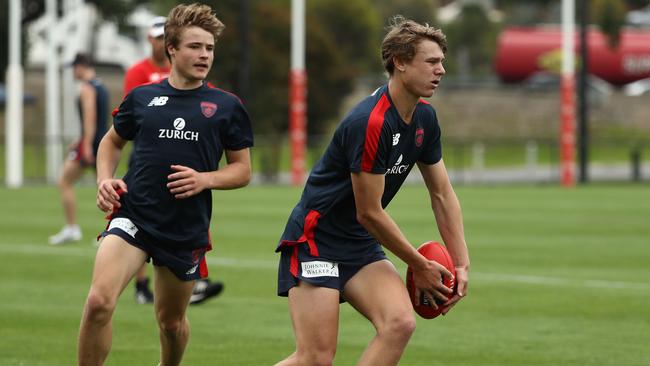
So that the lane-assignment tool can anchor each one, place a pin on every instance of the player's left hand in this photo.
(462, 280)
(186, 182)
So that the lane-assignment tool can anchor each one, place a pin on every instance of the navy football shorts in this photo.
(318, 271)
(187, 265)
(76, 154)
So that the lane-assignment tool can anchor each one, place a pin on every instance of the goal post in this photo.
(14, 115)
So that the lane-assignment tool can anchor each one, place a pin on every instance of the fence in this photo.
(487, 161)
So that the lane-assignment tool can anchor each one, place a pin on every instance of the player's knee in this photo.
(62, 183)
(401, 326)
(170, 325)
(99, 307)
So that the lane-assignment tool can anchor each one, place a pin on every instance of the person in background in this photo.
(154, 68)
(93, 113)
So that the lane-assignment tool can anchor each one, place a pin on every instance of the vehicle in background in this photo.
(524, 51)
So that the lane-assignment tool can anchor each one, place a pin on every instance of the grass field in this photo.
(559, 277)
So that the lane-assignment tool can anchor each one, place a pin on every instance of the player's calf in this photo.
(316, 357)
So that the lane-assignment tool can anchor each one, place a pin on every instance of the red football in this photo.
(434, 251)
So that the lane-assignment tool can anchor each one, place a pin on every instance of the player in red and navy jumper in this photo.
(153, 69)
(161, 209)
(173, 128)
(332, 245)
(371, 138)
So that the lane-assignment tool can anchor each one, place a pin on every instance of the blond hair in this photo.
(402, 39)
(194, 15)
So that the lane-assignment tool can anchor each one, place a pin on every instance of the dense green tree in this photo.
(610, 17)
(530, 12)
(422, 11)
(117, 10)
(353, 25)
(636, 4)
(472, 42)
(269, 48)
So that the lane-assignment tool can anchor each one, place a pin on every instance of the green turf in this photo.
(559, 277)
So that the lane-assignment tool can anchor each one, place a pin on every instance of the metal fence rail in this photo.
(475, 161)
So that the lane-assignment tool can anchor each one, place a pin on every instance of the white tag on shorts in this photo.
(320, 269)
(125, 225)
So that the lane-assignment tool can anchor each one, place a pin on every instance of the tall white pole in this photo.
(14, 116)
(297, 93)
(70, 126)
(567, 96)
(297, 34)
(53, 98)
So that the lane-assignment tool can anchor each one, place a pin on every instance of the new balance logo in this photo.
(396, 139)
(158, 101)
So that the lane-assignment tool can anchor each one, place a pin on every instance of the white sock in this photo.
(73, 227)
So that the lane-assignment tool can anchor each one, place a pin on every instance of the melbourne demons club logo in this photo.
(208, 109)
(419, 137)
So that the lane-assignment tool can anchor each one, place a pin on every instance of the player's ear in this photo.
(399, 64)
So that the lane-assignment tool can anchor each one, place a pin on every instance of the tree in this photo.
(354, 27)
(269, 47)
(421, 11)
(472, 38)
(530, 12)
(116, 11)
(637, 4)
(610, 17)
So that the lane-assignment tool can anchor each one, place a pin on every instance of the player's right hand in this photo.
(462, 279)
(429, 280)
(108, 194)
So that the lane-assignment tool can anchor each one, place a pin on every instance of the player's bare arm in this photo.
(108, 156)
(368, 189)
(187, 182)
(87, 97)
(449, 219)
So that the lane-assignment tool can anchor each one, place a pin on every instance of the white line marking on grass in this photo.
(243, 263)
(559, 281)
(87, 250)
(46, 249)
